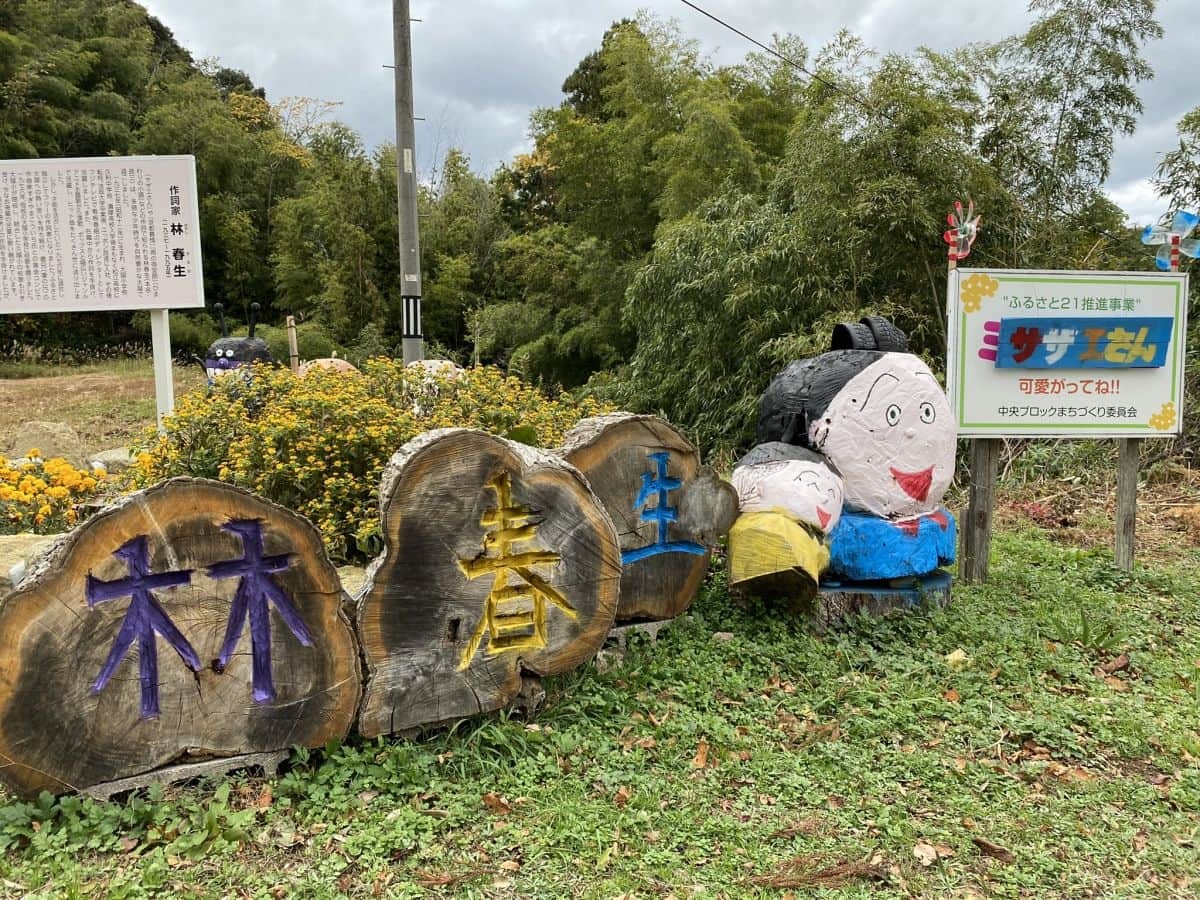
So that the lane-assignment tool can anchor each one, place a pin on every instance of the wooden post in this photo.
(1125, 530)
(293, 346)
(977, 530)
(1127, 479)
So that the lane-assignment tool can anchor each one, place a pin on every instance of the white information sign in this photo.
(109, 233)
(1066, 354)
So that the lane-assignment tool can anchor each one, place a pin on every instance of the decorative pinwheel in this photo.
(962, 231)
(1173, 240)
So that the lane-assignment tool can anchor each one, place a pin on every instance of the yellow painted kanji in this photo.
(514, 615)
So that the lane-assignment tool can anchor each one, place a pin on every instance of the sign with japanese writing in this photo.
(108, 233)
(1066, 354)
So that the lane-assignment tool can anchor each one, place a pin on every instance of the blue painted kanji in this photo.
(143, 619)
(255, 592)
(657, 483)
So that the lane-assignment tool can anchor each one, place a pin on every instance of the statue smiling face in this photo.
(891, 434)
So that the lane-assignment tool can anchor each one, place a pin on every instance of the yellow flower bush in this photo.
(42, 495)
(318, 444)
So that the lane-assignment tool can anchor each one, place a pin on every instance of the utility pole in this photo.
(406, 186)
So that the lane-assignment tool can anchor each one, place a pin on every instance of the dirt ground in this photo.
(108, 406)
(1083, 515)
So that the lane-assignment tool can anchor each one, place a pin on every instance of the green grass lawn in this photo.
(976, 751)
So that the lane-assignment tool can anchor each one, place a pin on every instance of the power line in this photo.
(791, 62)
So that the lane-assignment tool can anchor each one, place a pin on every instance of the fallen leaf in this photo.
(925, 853)
(652, 837)
(995, 851)
(621, 797)
(496, 804)
(128, 843)
(807, 826)
(265, 799)
(700, 760)
(510, 865)
(1115, 665)
(1117, 684)
(1139, 842)
(951, 695)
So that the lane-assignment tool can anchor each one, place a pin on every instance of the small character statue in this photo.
(789, 498)
(231, 353)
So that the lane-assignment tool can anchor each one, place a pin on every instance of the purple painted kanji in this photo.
(143, 619)
(255, 592)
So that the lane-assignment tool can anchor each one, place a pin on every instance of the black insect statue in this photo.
(228, 354)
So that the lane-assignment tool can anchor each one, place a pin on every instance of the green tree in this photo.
(1178, 177)
(559, 319)
(1054, 99)
(851, 223)
(461, 224)
(328, 241)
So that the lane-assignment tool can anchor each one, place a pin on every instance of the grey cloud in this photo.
(482, 65)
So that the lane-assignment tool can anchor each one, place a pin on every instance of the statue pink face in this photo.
(891, 433)
(807, 491)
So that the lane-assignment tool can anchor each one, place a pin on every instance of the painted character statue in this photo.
(228, 354)
(789, 498)
(877, 415)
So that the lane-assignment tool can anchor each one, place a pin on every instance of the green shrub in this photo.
(191, 333)
(318, 444)
(312, 341)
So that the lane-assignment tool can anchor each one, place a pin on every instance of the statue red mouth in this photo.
(823, 517)
(915, 484)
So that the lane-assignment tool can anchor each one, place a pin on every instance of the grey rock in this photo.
(18, 553)
(52, 439)
(116, 460)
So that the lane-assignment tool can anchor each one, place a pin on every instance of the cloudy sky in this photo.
(481, 66)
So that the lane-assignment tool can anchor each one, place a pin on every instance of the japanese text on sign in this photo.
(1066, 354)
(99, 234)
(1083, 343)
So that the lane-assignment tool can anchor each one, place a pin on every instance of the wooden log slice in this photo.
(192, 619)
(499, 562)
(670, 511)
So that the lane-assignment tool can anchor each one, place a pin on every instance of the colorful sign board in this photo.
(107, 233)
(1066, 354)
